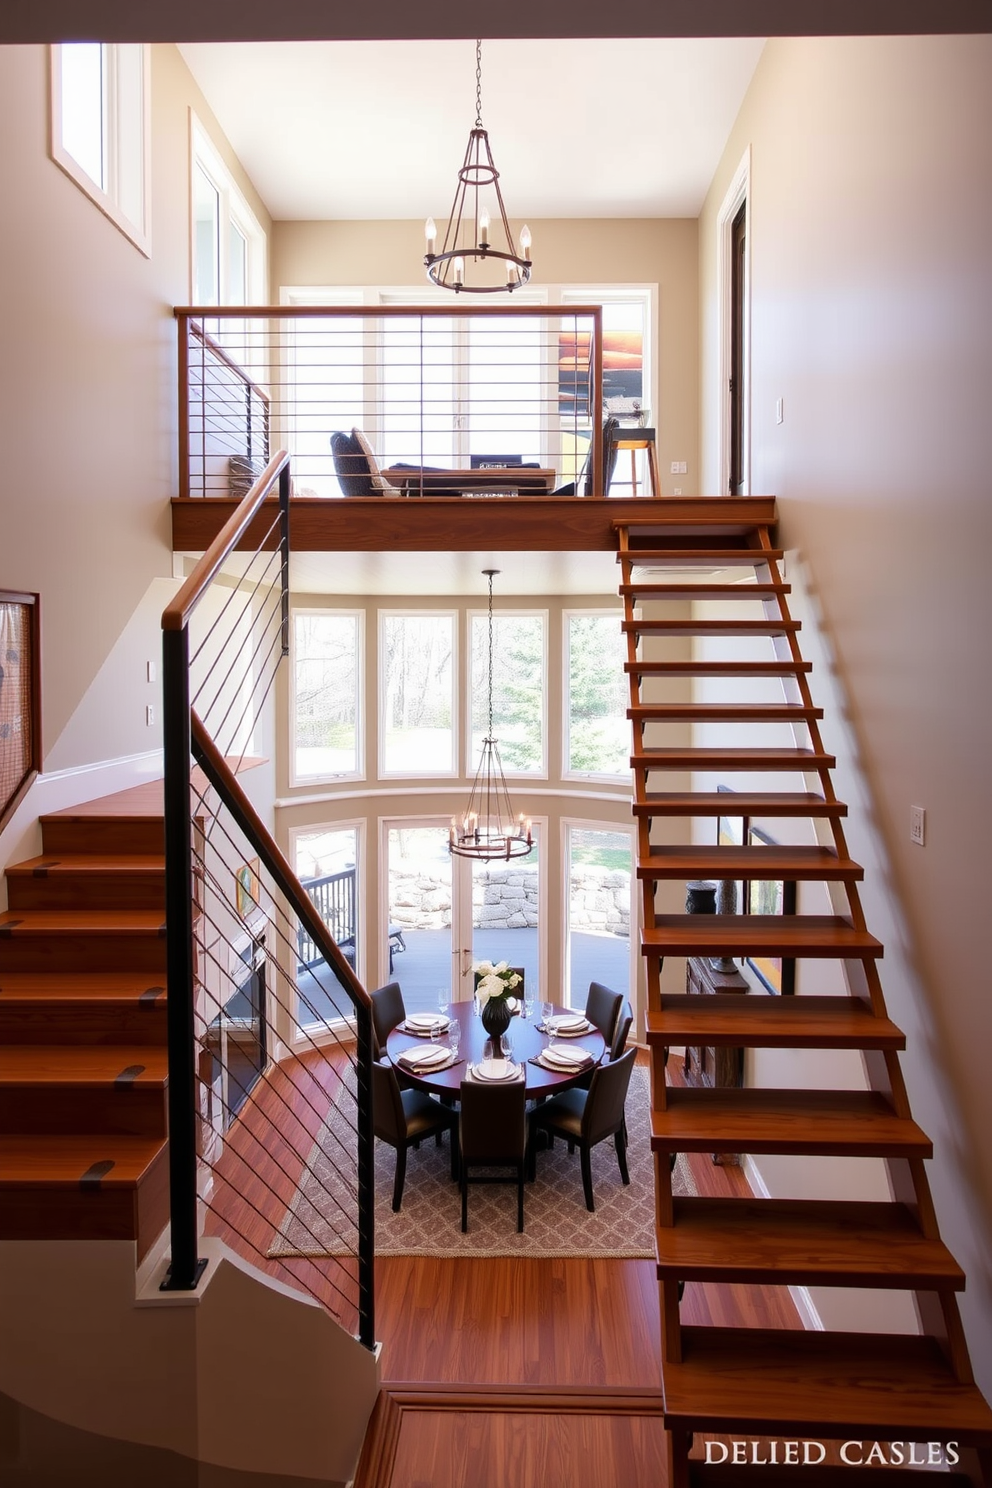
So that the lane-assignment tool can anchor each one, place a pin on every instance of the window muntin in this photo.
(417, 669)
(327, 695)
(597, 732)
(519, 694)
(100, 128)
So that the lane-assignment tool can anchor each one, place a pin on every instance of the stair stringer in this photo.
(687, 1393)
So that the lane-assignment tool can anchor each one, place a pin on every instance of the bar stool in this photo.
(640, 439)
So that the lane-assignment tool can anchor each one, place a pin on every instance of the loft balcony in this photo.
(484, 425)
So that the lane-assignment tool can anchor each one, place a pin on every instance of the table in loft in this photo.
(522, 480)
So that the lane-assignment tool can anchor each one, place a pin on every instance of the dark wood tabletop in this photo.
(526, 1041)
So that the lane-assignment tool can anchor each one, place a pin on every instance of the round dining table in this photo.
(526, 1041)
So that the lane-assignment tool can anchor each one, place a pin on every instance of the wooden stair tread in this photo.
(730, 759)
(813, 1242)
(722, 712)
(80, 986)
(85, 1064)
(745, 803)
(772, 861)
(652, 589)
(46, 922)
(820, 1384)
(728, 1018)
(675, 557)
(775, 668)
(48, 864)
(62, 1159)
(711, 627)
(763, 935)
(843, 1123)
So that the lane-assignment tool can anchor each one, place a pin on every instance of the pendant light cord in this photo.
(491, 572)
(478, 85)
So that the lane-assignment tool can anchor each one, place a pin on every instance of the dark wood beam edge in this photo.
(438, 524)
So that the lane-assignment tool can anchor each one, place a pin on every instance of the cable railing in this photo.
(439, 394)
(269, 1061)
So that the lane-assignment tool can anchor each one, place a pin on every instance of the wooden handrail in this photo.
(386, 312)
(177, 614)
(225, 783)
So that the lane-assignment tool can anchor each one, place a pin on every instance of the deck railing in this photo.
(442, 386)
(243, 1124)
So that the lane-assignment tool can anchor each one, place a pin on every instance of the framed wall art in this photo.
(20, 698)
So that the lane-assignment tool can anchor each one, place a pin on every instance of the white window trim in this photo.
(432, 613)
(233, 208)
(139, 233)
(529, 613)
(738, 192)
(310, 1034)
(621, 777)
(295, 778)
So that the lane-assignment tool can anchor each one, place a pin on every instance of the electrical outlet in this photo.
(677, 491)
(149, 715)
(917, 825)
(151, 671)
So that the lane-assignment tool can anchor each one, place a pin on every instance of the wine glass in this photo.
(442, 1001)
(528, 1002)
(454, 1036)
(547, 1013)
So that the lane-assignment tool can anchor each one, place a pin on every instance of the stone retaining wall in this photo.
(505, 898)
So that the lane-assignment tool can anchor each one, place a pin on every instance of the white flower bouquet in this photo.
(494, 981)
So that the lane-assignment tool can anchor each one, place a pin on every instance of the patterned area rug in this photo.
(556, 1221)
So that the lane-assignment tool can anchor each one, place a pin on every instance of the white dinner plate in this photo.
(569, 1025)
(565, 1059)
(495, 1070)
(426, 1058)
(427, 1021)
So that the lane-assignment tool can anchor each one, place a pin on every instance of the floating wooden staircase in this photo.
(733, 1383)
(83, 1152)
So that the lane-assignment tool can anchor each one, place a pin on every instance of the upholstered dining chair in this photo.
(403, 1118)
(492, 1133)
(587, 1117)
(603, 1009)
(388, 1012)
(621, 1032)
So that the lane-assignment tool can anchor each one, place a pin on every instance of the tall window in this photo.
(228, 244)
(417, 694)
(101, 130)
(326, 706)
(598, 733)
(518, 690)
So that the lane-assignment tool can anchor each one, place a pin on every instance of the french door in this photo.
(444, 913)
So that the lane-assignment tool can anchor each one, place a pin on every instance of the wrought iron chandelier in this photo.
(467, 251)
(488, 828)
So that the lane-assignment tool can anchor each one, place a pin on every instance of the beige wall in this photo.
(871, 294)
(644, 251)
(88, 405)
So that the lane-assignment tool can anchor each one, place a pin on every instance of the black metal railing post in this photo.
(284, 490)
(366, 1182)
(186, 1267)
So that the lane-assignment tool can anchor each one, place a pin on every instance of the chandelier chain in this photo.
(478, 85)
(490, 654)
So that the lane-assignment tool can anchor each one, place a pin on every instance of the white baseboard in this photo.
(799, 1294)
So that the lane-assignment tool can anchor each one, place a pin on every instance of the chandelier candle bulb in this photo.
(512, 276)
(525, 241)
(430, 233)
(458, 270)
(483, 228)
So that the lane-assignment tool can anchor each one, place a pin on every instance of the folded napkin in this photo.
(424, 1059)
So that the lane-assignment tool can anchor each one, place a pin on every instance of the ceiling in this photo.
(377, 129)
(521, 573)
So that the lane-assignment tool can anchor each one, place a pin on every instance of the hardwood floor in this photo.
(533, 1372)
